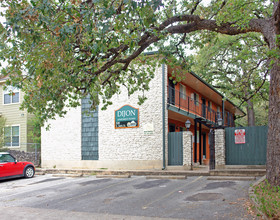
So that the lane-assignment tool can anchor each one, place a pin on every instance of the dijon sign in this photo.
(127, 117)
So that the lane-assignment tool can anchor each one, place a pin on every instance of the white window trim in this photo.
(7, 91)
(18, 136)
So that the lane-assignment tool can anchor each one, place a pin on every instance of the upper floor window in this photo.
(11, 95)
(195, 97)
(183, 91)
(11, 136)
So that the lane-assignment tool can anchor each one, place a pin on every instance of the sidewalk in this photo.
(234, 171)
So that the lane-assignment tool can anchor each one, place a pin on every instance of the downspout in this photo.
(223, 109)
(163, 116)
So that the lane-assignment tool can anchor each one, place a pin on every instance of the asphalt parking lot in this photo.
(48, 197)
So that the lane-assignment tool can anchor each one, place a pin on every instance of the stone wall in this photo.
(187, 149)
(27, 156)
(220, 150)
(134, 143)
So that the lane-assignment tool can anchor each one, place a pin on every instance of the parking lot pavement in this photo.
(48, 197)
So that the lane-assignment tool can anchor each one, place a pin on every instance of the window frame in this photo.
(183, 94)
(8, 91)
(11, 136)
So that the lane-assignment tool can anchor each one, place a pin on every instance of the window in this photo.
(210, 105)
(195, 97)
(11, 136)
(11, 95)
(183, 92)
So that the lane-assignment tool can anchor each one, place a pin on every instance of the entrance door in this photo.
(203, 107)
(204, 145)
(171, 92)
(175, 148)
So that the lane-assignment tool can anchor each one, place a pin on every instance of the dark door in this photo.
(212, 149)
(203, 107)
(171, 92)
(204, 145)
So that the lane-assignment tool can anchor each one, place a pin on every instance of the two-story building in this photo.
(132, 136)
(17, 122)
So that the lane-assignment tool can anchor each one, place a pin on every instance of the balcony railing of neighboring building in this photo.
(201, 110)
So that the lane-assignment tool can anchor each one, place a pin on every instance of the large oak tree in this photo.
(60, 50)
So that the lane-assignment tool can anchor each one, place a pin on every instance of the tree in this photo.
(237, 65)
(63, 50)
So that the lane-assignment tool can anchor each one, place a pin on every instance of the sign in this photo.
(127, 117)
(148, 129)
(239, 136)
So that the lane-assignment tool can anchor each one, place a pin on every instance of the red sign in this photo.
(239, 136)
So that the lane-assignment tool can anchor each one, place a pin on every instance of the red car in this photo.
(11, 168)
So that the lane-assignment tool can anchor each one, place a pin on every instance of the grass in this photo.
(269, 199)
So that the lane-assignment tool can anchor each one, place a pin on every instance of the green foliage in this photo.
(268, 198)
(34, 134)
(237, 66)
(61, 51)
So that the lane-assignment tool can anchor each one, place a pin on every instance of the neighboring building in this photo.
(132, 136)
(17, 122)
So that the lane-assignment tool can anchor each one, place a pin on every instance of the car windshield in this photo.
(6, 158)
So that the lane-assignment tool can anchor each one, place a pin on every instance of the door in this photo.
(204, 145)
(171, 92)
(203, 107)
(175, 148)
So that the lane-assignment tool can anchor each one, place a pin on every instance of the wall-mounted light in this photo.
(220, 122)
(188, 124)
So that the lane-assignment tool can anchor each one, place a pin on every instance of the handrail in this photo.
(184, 102)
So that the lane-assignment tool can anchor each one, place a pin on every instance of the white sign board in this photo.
(148, 128)
(239, 136)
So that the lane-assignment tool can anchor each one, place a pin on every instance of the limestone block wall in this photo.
(187, 149)
(220, 150)
(134, 143)
(63, 140)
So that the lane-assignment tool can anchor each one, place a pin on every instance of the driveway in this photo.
(48, 197)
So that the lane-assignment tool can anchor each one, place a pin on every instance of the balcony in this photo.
(197, 109)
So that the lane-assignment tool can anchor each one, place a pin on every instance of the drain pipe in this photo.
(163, 116)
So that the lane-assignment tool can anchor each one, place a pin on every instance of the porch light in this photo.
(220, 122)
(188, 124)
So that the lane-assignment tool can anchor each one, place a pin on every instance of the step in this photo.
(238, 172)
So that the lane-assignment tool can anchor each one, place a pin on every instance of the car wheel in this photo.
(29, 172)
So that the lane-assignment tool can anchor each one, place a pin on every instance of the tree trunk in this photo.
(250, 113)
(273, 140)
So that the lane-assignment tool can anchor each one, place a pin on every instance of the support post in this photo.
(220, 149)
(187, 150)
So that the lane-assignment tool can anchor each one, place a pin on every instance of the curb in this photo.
(112, 176)
(240, 178)
(167, 177)
(253, 198)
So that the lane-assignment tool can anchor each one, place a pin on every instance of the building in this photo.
(17, 122)
(132, 136)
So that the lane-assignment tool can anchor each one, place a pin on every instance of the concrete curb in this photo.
(167, 177)
(241, 178)
(113, 176)
(253, 198)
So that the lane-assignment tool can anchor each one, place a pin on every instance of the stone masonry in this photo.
(187, 149)
(220, 150)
